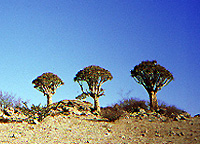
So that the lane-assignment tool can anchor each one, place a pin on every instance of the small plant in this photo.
(35, 112)
(112, 113)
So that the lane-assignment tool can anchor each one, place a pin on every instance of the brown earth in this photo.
(91, 129)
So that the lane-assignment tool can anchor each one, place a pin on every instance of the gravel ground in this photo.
(87, 129)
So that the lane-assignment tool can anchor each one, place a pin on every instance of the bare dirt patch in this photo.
(92, 129)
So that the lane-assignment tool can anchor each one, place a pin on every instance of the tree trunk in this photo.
(96, 105)
(153, 101)
(49, 100)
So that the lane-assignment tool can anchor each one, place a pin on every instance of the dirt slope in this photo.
(86, 129)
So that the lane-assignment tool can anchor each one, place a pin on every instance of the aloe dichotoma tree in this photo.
(47, 83)
(94, 76)
(153, 77)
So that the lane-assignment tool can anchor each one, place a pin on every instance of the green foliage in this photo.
(94, 76)
(151, 75)
(47, 83)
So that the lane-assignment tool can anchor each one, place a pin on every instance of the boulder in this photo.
(74, 106)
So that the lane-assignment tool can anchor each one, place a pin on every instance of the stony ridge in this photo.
(78, 108)
(37, 113)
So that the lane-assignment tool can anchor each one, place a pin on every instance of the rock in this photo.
(186, 114)
(191, 123)
(33, 121)
(107, 133)
(133, 114)
(142, 111)
(183, 117)
(162, 111)
(52, 112)
(13, 136)
(177, 118)
(143, 134)
(171, 133)
(9, 111)
(197, 115)
(95, 113)
(140, 118)
(74, 106)
(1, 111)
(182, 134)
(65, 107)
(163, 118)
(11, 114)
(145, 115)
(157, 135)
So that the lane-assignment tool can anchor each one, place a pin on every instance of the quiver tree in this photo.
(153, 77)
(47, 83)
(94, 76)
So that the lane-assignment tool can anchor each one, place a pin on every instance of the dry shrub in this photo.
(169, 111)
(35, 112)
(133, 105)
(9, 100)
(112, 113)
(173, 111)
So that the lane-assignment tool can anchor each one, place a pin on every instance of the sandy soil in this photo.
(86, 129)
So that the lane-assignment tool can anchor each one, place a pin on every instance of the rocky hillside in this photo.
(73, 121)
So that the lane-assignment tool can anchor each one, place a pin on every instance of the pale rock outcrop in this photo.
(66, 107)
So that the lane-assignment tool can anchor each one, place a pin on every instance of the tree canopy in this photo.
(94, 76)
(151, 75)
(47, 83)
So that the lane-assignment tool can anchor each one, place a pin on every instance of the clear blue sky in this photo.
(64, 36)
